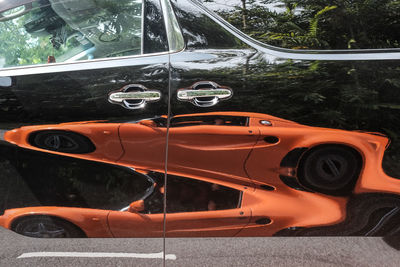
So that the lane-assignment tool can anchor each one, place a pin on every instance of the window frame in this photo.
(276, 53)
(170, 22)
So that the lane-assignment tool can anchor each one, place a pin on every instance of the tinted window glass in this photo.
(48, 31)
(190, 195)
(209, 120)
(200, 31)
(322, 24)
(155, 36)
(73, 183)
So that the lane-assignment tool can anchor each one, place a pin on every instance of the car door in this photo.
(195, 208)
(72, 74)
(128, 224)
(207, 142)
(204, 207)
(227, 223)
(144, 143)
(222, 70)
(212, 145)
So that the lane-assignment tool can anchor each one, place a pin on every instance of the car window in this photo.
(190, 195)
(198, 120)
(209, 120)
(49, 31)
(74, 183)
(195, 28)
(322, 25)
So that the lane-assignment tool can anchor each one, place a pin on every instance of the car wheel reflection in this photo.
(330, 169)
(62, 141)
(46, 227)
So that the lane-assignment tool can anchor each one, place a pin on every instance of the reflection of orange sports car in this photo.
(196, 207)
(250, 148)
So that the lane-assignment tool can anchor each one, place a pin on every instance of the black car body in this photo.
(113, 71)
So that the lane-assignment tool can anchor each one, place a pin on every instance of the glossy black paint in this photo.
(367, 215)
(155, 35)
(81, 95)
(30, 178)
(305, 91)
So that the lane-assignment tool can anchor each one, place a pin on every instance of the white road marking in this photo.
(97, 255)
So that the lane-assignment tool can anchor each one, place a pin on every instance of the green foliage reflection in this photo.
(320, 24)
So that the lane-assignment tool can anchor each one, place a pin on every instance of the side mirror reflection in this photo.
(136, 206)
(149, 123)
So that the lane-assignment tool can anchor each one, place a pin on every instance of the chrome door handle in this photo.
(134, 96)
(204, 94)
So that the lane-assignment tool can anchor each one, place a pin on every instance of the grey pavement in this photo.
(273, 251)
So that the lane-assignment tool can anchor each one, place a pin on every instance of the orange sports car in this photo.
(195, 207)
(246, 148)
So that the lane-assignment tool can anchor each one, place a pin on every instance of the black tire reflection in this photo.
(46, 227)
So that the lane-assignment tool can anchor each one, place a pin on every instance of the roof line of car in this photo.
(301, 54)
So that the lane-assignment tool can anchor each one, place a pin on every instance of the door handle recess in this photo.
(134, 96)
(205, 94)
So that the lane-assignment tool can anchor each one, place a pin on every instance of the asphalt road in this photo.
(274, 251)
